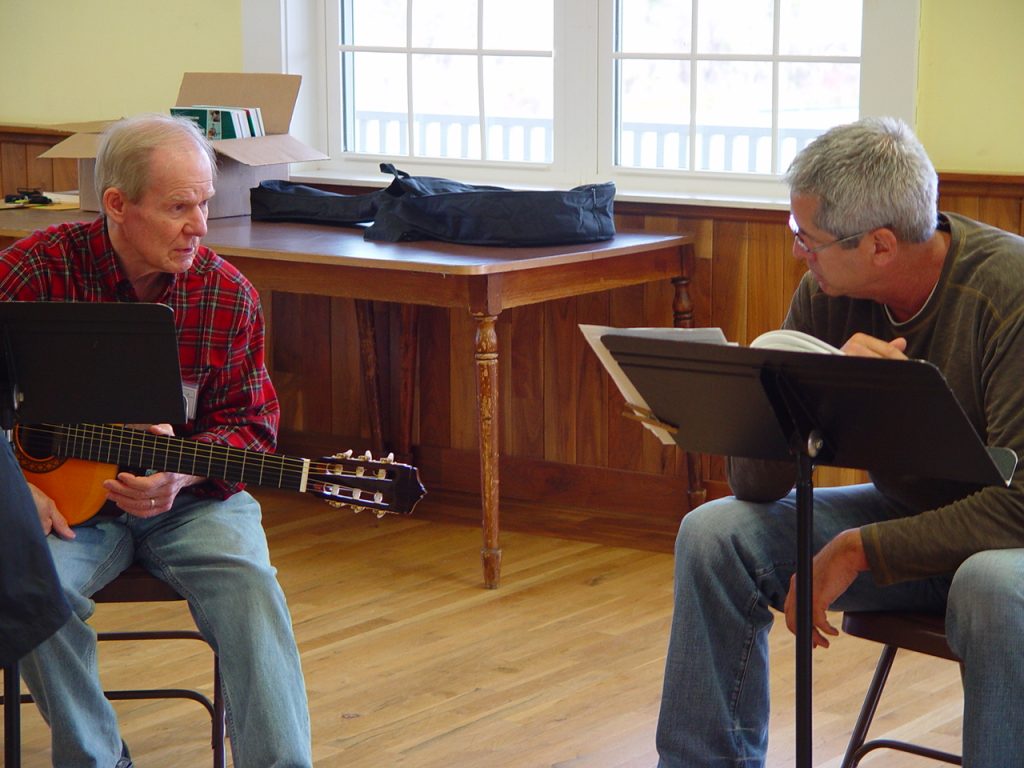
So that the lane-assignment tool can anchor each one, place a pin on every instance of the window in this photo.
(705, 99)
(454, 79)
(731, 85)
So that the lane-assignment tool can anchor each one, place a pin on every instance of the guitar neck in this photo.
(128, 447)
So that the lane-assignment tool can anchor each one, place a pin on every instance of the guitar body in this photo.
(74, 485)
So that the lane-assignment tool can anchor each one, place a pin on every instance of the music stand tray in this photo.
(85, 362)
(809, 408)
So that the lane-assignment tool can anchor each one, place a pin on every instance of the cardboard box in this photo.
(82, 145)
(241, 163)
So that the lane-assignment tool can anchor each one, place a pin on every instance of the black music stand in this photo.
(814, 409)
(82, 362)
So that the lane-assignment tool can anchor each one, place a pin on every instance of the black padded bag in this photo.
(426, 207)
(276, 200)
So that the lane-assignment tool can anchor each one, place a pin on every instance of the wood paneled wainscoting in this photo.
(563, 439)
(565, 442)
(22, 168)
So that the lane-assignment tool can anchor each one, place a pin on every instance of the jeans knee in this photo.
(718, 532)
(986, 601)
(251, 577)
(699, 530)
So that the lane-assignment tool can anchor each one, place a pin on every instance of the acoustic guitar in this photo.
(68, 462)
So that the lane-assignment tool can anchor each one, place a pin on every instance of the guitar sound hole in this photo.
(35, 442)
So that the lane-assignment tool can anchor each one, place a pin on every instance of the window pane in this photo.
(816, 28)
(654, 114)
(734, 116)
(736, 26)
(518, 107)
(379, 100)
(812, 98)
(446, 115)
(444, 23)
(518, 24)
(655, 26)
(378, 22)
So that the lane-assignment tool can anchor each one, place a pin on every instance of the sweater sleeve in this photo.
(937, 540)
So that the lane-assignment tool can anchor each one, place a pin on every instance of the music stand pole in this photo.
(12, 716)
(12, 677)
(804, 582)
(806, 442)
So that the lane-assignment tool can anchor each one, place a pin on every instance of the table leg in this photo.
(682, 317)
(407, 393)
(486, 357)
(371, 373)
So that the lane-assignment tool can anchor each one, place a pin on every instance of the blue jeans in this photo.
(733, 563)
(215, 554)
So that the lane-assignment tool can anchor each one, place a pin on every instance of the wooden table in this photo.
(337, 262)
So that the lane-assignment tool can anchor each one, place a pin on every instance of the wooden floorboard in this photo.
(410, 662)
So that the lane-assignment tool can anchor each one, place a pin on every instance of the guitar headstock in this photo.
(361, 482)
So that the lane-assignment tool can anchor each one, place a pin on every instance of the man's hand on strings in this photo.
(148, 495)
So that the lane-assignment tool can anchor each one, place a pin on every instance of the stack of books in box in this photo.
(219, 122)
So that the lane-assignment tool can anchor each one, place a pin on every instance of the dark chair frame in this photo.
(921, 632)
(137, 585)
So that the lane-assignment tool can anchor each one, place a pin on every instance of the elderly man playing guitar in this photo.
(155, 176)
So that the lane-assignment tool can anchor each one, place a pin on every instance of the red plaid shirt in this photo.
(216, 312)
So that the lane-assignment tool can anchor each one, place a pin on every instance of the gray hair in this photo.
(122, 160)
(868, 174)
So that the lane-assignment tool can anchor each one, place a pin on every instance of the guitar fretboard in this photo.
(128, 447)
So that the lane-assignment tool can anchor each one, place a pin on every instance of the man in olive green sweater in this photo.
(887, 278)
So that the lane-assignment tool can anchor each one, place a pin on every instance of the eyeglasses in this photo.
(807, 249)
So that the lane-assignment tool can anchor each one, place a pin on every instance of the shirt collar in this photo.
(108, 268)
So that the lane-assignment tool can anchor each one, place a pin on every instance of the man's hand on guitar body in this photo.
(50, 517)
(148, 495)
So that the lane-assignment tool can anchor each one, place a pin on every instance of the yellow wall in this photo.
(68, 60)
(970, 95)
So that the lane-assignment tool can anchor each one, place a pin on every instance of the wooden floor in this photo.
(410, 662)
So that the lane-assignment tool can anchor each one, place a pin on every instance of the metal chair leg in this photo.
(859, 746)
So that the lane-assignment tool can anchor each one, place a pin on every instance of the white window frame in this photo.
(293, 36)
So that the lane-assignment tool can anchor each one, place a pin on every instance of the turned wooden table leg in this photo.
(408, 343)
(486, 357)
(371, 373)
(682, 317)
